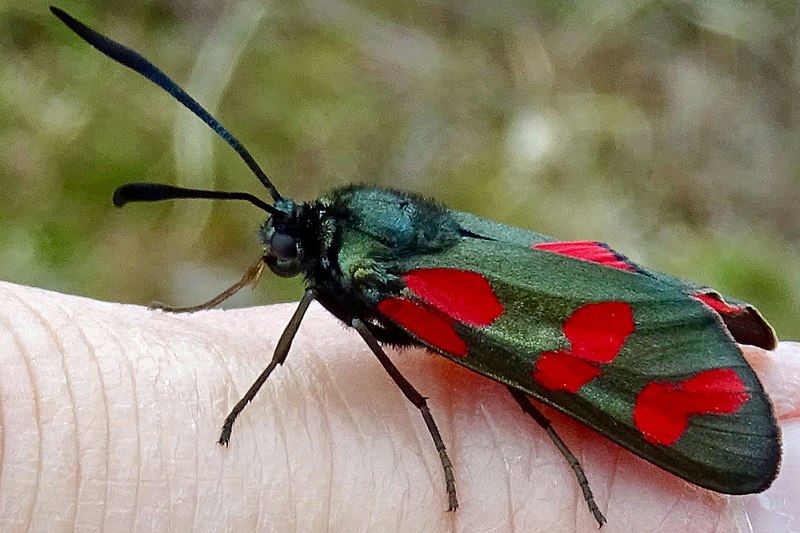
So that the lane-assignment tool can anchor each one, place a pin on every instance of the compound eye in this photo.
(283, 246)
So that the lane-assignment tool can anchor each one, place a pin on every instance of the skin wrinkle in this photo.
(557, 461)
(324, 415)
(611, 483)
(230, 384)
(159, 359)
(323, 367)
(261, 461)
(716, 524)
(36, 410)
(267, 391)
(137, 428)
(410, 420)
(509, 491)
(666, 515)
(156, 379)
(280, 428)
(405, 474)
(292, 378)
(348, 409)
(422, 441)
(196, 457)
(104, 397)
(45, 324)
(108, 435)
(404, 498)
(254, 439)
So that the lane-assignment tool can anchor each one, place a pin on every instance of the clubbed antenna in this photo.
(156, 192)
(133, 60)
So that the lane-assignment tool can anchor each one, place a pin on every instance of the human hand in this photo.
(111, 413)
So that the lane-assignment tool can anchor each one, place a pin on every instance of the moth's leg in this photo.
(278, 357)
(250, 277)
(528, 407)
(419, 402)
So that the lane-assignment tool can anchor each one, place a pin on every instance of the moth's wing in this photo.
(629, 355)
(743, 320)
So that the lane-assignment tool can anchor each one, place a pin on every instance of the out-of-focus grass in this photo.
(668, 129)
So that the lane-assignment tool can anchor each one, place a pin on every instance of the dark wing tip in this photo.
(749, 327)
(743, 321)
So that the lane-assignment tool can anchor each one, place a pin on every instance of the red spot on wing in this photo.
(593, 251)
(460, 294)
(446, 296)
(596, 333)
(717, 304)
(560, 370)
(663, 409)
(426, 325)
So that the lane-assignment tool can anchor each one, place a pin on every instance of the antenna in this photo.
(135, 61)
(156, 192)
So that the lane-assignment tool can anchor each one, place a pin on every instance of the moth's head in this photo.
(284, 252)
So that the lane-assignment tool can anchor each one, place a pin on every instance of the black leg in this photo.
(419, 402)
(528, 407)
(281, 350)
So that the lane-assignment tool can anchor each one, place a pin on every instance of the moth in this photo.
(646, 359)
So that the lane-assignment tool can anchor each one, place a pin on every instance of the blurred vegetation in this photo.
(668, 129)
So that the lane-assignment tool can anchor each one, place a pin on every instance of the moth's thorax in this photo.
(402, 222)
(364, 234)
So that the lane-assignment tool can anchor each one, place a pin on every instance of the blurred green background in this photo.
(668, 129)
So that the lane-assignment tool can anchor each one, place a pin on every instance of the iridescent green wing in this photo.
(742, 320)
(630, 355)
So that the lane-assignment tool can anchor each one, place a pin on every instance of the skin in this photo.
(110, 415)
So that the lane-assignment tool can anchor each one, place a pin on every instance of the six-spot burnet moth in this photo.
(648, 360)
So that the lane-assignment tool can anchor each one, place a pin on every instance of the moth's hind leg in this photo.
(525, 402)
(419, 402)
